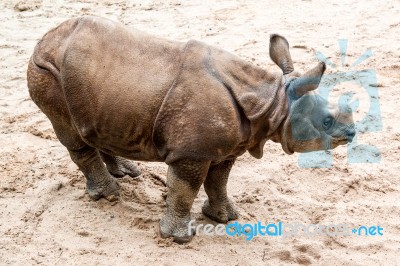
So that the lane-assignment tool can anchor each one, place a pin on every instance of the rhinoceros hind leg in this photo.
(99, 182)
(218, 207)
(46, 92)
(119, 167)
(183, 181)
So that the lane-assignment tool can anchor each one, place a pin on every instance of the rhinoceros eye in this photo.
(328, 122)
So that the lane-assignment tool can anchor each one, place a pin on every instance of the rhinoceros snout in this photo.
(350, 134)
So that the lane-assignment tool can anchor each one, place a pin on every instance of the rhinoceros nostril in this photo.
(351, 134)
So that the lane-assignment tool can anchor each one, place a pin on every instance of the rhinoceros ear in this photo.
(279, 53)
(309, 81)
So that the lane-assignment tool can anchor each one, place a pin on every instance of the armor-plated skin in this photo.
(114, 94)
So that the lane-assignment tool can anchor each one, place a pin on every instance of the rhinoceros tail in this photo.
(49, 51)
(43, 75)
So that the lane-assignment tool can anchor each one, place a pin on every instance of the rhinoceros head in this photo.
(312, 122)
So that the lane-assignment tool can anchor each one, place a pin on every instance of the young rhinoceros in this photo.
(114, 94)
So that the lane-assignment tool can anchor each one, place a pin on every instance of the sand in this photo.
(47, 218)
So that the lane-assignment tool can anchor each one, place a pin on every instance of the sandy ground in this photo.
(46, 217)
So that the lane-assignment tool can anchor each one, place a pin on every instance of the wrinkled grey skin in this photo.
(113, 95)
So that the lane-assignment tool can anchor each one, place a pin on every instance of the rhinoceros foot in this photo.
(108, 190)
(119, 167)
(177, 228)
(221, 213)
(124, 167)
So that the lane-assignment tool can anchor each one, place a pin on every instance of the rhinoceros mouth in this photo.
(343, 141)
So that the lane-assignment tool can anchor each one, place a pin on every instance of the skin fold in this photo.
(115, 94)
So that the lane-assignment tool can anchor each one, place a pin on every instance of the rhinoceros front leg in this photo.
(218, 207)
(99, 182)
(184, 179)
(118, 166)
